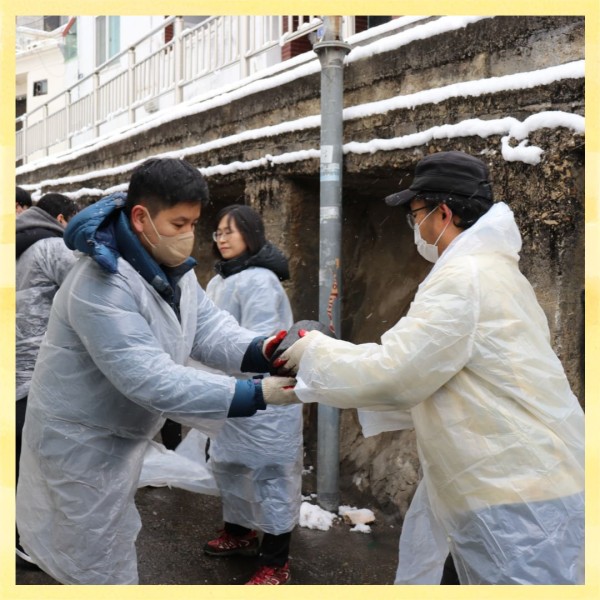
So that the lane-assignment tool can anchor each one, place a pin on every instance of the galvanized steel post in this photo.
(331, 51)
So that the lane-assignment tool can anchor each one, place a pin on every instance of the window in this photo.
(40, 87)
(52, 23)
(70, 39)
(108, 38)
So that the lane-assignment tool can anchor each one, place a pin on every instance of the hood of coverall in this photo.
(494, 233)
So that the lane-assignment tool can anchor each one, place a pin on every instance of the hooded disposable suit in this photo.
(500, 435)
(43, 262)
(109, 370)
(257, 461)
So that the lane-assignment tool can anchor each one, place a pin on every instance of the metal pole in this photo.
(331, 51)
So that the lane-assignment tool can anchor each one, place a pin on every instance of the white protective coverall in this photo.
(423, 547)
(40, 271)
(257, 460)
(500, 435)
(106, 393)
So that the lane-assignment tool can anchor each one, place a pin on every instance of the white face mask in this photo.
(428, 251)
(170, 250)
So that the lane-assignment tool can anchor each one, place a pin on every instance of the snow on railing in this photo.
(154, 74)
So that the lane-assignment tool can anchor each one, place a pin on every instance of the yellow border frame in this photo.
(11, 8)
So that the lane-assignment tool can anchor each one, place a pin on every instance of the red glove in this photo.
(289, 361)
(271, 343)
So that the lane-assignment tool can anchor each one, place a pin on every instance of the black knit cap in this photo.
(448, 172)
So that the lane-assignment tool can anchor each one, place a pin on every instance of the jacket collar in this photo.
(102, 231)
(268, 257)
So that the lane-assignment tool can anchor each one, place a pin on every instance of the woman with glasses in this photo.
(257, 462)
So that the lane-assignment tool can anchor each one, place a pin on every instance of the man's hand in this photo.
(289, 361)
(279, 390)
(271, 343)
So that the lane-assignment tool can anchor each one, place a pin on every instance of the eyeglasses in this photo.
(217, 235)
(410, 217)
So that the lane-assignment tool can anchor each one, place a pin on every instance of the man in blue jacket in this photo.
(112, 367)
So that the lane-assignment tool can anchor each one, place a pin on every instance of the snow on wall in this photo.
(509, 127)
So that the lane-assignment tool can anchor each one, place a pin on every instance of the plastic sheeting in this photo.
(257, 461)
(41, 269)
(109, 370)
(500, 435)
(185, 467)
(423, 548)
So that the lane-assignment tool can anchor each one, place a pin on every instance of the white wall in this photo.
(43, 62)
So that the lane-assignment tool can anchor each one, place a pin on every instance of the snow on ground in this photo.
(356, 516)
(315, 517)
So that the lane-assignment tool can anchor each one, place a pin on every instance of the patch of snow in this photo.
(469, 127)
(548, 119)
(418, 32)
(477, 87)
(361, 528)
(356, 516)
(482, 128)
(314, 517)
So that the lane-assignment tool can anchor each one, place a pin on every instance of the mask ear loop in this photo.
(153, 227)
(444, 230)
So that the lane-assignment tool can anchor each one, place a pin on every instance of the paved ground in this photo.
(176, 523)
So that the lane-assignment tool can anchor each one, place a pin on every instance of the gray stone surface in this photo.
(177, 523)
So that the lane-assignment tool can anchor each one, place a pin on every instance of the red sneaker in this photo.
(228, 545)
(271, 576)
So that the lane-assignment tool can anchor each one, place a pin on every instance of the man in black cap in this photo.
(449, 193)
(500, 434)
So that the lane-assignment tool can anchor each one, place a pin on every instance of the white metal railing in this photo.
(155, 73)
